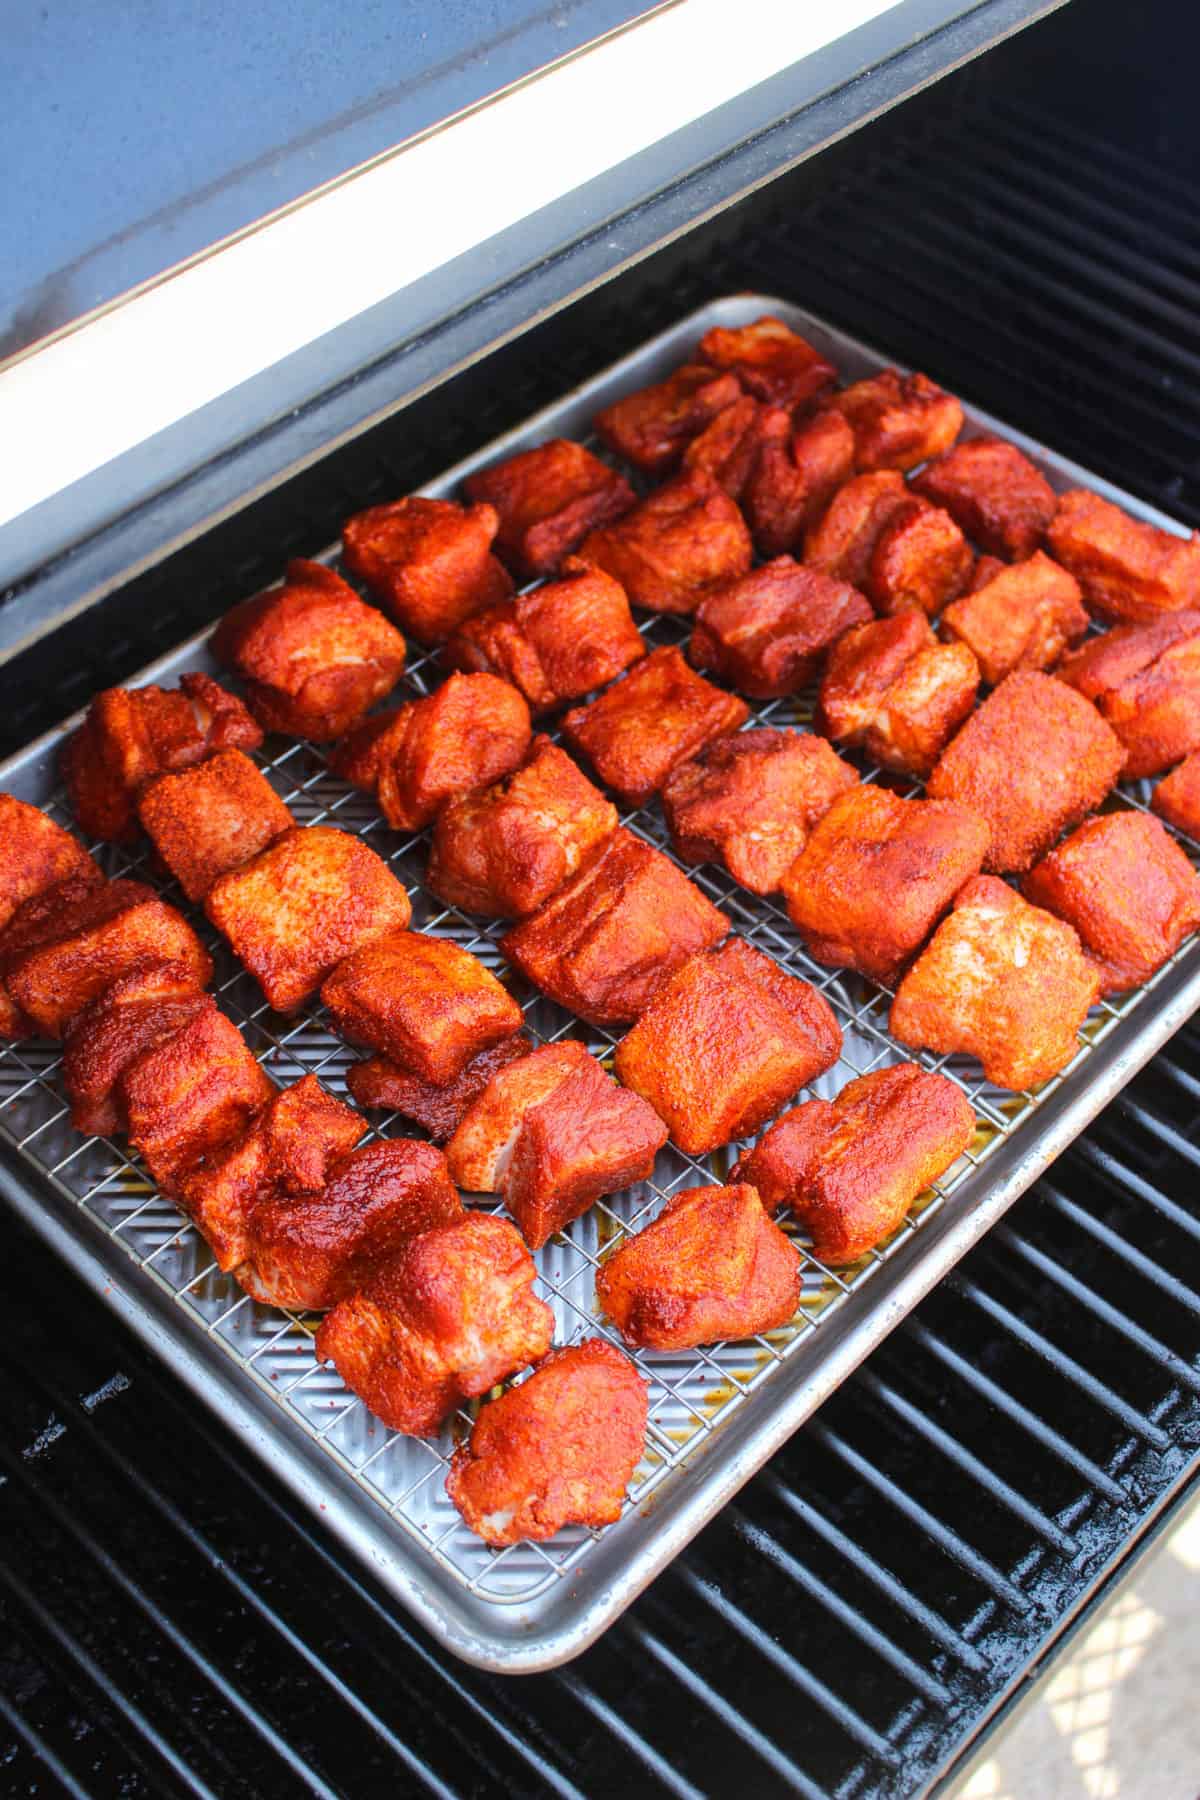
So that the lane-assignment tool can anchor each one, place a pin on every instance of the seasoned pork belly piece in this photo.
(651, 427)
(993, 491)
(768, 632)
(286, 1147)
(678, 542)
(1128, 570)
(877, 874)
(920, 559)
(312, 655)
(751, 800)
(429, 562)
(794, 476)
(1023, 618)
(211, 818)
(729, 449)
(309, 1251)
(142, 1008)
(551, 1134)
(297, 908)
(1177, 798)
(425, 1002)
(842, 542)
(1145, 679)
(63, 947)
(559, 1449)
(605, 941)
(1033, 760)
(892, 688)
(472, 730)
(770, 360)
(556, 642)
(36, 854)
(851, 1168)
(503, 850)
(638, 730)
(898, 420)
(438, 1106)
(189, 1094)
(724, 1042)
(1002, 981)
(1128, 889)
(452, 1313)
(711, 1266)
(548, 499)
(130, 735)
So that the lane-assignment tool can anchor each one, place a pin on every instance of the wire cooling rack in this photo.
(694, 1395)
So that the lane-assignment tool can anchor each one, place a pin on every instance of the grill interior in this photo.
(868, 1602)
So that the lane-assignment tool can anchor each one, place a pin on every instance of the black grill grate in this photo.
(171, 1626)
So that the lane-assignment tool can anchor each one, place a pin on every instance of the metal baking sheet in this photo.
(715, 1414)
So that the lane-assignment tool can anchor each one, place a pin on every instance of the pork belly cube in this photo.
(287, 1147)
(842, 542)
(794, 477)
(556, 642)
(678, 542)
(551, 1134)
(437, 1106)
(894, 689)
(65, 946)
(898, 420)
(429, 562)
(297, 908)
(751, 800)
(308, 1251)
(651, 427)
(503, 850)
(770, 360)
(993, 491)
(639, 729)
(131, 735)
(1023, 618)
(474, 729)
(724, 1042)
(142, 1008)
(1145, 679)
(1130, 892)
(36, 854)
(851, 1168)
(559, 1449)
(1128, 570)
(190, 1094)
(606, 940)
(1033, 761)
(1002, 981)
(877, 874)
(711, 1266)
(768, 633)
(1177, 798)
(312, 655)
(211, 818)
(427, 1003)
(452, 1313)
(921, 559)
(729, 449)
(548, 499)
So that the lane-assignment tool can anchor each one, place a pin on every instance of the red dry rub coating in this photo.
(767, 633)
(1024, 617)
(1145, 679)
(1177, 798)
(429, 562)
(436, 1106)
(650, 428)
(893, 688)
(794, 477)
(1128, 569)
(211, 818)
(899, 420)
(842, 541)
(548, 499)
(770, 360)
(36, 854)
(674, 545)
(993, 491)
(142, 1008)
(920, 559)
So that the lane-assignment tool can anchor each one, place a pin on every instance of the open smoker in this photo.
(873, 1598)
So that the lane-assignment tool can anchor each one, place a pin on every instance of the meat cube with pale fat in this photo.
(678, 542)
(898, 420)
(1023, 618)
(650, 428)
(842, 541)
(1002, 981)
(1127, 568)
(993, 491)
(452, 1313)
(1145, 680)
(770, 360)
(920, 559)
(712, 1266)
(297, 908)
(438, 1106)
(725, 1041)
(142, 1008)
(850, 1169)
(893, 688)
(548, 499)
(1177, 798)
(429, 562)
(36, 854)
(211, 818)
(794, 477)
(767, 633)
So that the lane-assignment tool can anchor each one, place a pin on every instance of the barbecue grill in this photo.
(876, 1597)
